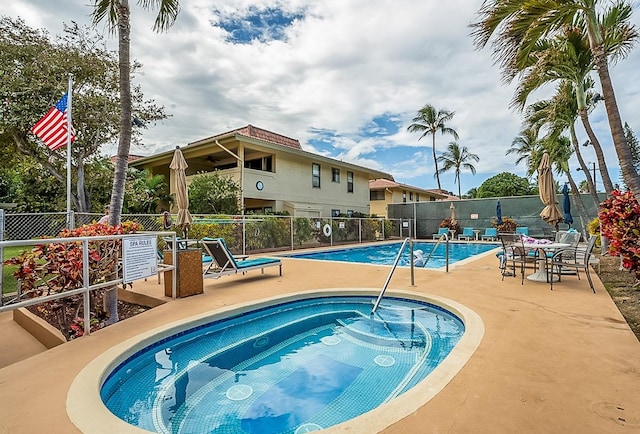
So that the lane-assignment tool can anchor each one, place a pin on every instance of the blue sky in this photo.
(343, 77)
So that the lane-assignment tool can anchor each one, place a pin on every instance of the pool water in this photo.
(290, 368)
(385, 254)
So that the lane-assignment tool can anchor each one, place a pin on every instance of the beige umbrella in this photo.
(179, 166)
(452, 208)
(551, 212)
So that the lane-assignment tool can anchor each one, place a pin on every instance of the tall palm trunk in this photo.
(590, 181)
(631, 177)
(435, 160)
(604, 171)
(124, 143)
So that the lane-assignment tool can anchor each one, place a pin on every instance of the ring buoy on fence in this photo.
(326, 230)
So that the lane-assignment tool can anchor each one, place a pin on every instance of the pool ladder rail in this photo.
(399, 255)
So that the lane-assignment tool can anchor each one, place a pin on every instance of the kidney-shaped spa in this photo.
(305, 362)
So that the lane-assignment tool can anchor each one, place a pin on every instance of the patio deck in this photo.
(549, 362)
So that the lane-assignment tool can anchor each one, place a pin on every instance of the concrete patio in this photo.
(561, 361)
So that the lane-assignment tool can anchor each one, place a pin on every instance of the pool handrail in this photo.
(393, 268)
(446, 238)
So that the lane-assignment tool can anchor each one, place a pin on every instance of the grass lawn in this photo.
(8, 281)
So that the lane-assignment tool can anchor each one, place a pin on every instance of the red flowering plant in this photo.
(56, 267)
(620, 223)
(51, 268)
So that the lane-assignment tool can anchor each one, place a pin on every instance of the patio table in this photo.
(542, 274)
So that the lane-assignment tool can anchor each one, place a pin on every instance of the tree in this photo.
(518, 25)
(525, 146)
(429, 121)
(38, 78)
(146, 193)
(634, 145)
(212, 193)
(566, 58)
(116, 12)
(506, 184)
(457, 158)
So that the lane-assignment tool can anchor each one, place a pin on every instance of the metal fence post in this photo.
(291, 229)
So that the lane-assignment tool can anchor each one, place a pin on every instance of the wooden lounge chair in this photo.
(224, 263)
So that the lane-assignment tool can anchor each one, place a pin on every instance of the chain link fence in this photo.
(243, 234)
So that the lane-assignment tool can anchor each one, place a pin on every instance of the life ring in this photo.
(326, 230)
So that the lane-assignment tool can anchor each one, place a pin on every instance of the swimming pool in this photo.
(292, 366)
(385, 254)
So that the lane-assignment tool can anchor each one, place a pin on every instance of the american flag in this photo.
(52, 128)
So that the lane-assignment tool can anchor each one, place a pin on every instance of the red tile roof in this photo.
(268, 136)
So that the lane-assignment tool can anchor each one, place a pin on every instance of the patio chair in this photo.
(513, 252)
(224, 263)
(467, 234)
(524, 230)
(575, 258)
(490, 234)
(441, 232)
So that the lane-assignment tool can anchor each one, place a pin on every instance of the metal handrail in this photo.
(446, 238)
(393, 268)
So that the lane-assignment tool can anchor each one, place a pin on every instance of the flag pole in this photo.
(69, 222)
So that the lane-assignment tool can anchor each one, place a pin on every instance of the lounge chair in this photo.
(522, 230)
(490, 234)
(467, 234)
(441, 232)
(224, 263)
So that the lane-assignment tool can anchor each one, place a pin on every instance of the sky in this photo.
(343, 77)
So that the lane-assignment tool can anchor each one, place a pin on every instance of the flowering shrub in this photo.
(51, 268)
(451, 224)
(620, 223)
(55, 267)
(508, 225)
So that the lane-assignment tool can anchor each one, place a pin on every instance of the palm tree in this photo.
(457, 158)
(117, 14)
(429, 121)
(557, 115)
(525, 146)
(566, 58)
(520, 24)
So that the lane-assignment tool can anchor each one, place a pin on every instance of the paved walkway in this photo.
(549, 362)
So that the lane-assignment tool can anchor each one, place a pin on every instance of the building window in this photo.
(349, 213)
(315, 175)
(417, 197)
(263, 163)
(349, 182)
(404, 196)
(376, 195)
(411, 195)
(335, 213)
(335, 175)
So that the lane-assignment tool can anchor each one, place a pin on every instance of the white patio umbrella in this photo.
(551, 212)
(179, 166)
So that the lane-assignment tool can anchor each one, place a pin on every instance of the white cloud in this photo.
(342, 65)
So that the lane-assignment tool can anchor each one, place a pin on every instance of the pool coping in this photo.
(89, 414)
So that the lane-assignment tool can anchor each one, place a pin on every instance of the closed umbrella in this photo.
(452, 209)
(551, 212)
(179, 166)
(568, 219)
(499, 213)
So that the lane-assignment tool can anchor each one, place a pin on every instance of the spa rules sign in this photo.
(139, 258)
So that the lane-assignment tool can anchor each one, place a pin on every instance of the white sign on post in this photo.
(139, 258)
